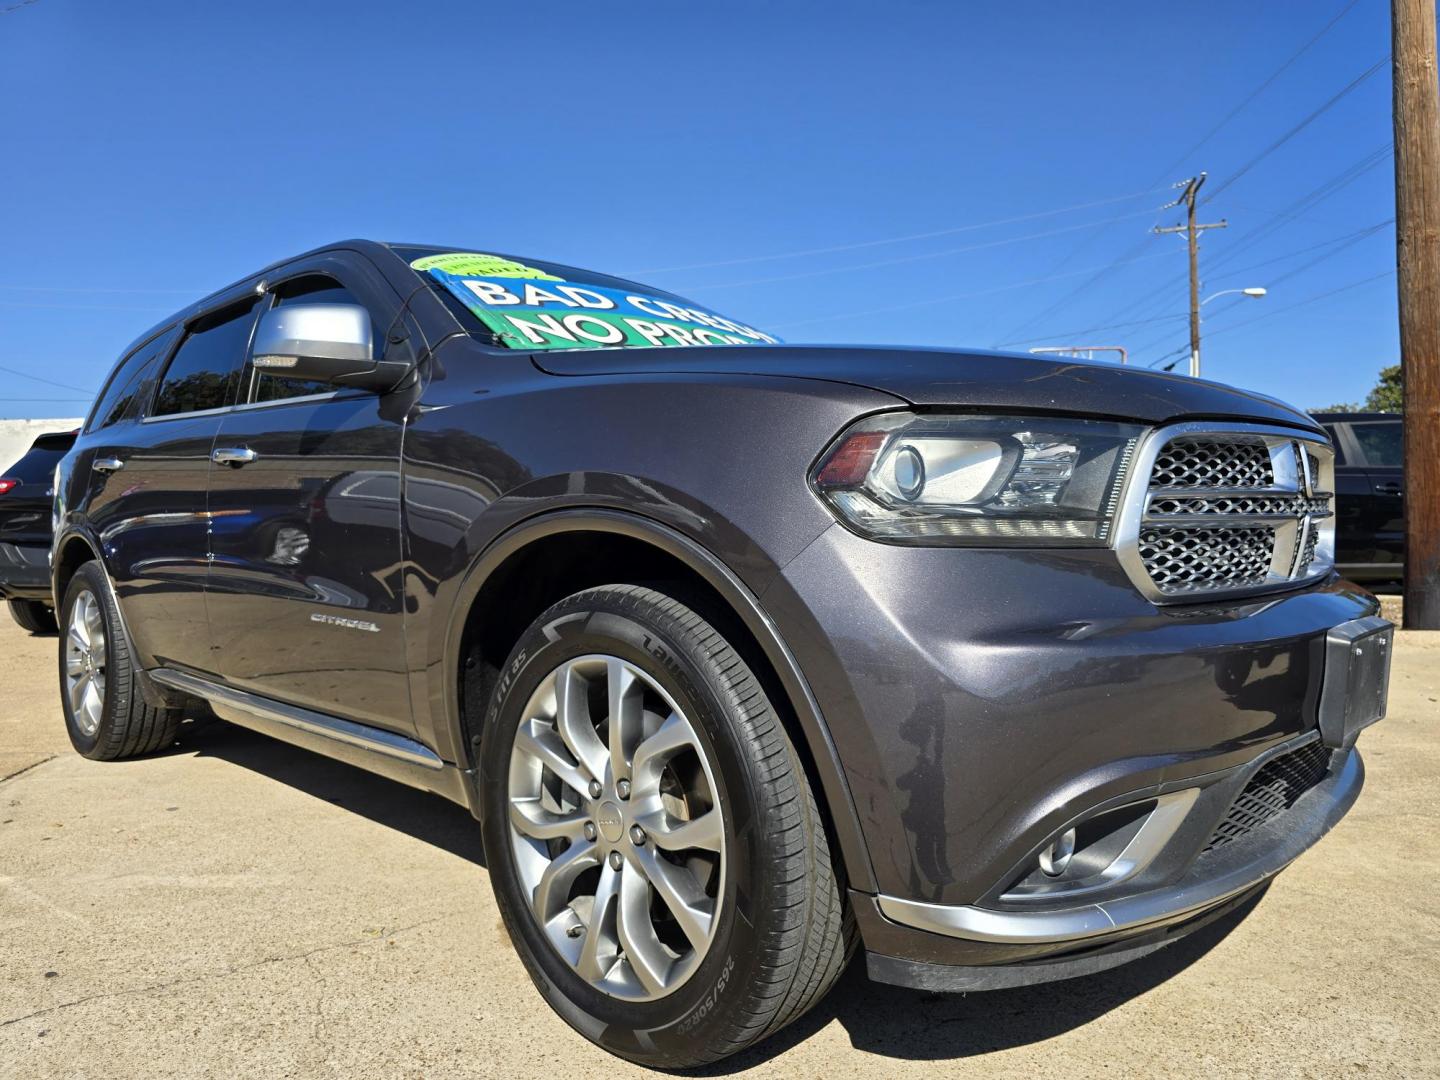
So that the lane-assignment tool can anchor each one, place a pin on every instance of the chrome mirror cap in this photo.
(292, 334)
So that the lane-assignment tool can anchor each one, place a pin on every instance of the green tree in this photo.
(1389, 392)
(1388, 396)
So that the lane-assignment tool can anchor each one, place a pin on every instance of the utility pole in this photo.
(1417, 242)
(1192, 188)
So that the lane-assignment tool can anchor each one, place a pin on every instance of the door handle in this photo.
(1388, 487)
(107, 464)
(233, 455)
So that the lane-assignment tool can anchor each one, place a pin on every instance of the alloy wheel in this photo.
(616, 827)
(85, 662)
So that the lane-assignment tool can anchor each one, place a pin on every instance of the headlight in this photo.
(909, 478)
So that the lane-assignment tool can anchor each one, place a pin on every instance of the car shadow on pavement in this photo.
(921, 1026)
(887, 1021)
(424, 816)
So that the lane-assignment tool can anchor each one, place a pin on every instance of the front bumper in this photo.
(980, 700)
(1213, 877)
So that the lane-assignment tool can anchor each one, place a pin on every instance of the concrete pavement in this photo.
(239, 908)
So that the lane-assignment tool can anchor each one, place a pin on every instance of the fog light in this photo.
(1055, 858)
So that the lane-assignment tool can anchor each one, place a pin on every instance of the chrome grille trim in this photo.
(1222, 510)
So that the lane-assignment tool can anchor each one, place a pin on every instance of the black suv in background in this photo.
(26, 494)
(1370, 496)
(745, 656)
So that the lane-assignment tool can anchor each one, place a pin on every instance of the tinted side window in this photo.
(307, 290)
(125, 383)
(206, 367)
(1381, 441)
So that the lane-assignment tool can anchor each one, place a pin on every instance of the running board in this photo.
(384, 752)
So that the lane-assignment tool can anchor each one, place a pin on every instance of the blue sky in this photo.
(988, 172)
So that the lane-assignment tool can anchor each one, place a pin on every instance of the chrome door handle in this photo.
(107, 464)
(1388, 487)
(233, 455)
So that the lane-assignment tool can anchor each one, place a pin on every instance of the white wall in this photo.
(17, 435)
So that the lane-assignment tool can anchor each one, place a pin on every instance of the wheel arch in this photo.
(551, 556)
(72, 550)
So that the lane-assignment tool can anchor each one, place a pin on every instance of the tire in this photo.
(780, 933)
(108, 718)
(33, 615)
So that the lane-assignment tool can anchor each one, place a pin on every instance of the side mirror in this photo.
(333, 343)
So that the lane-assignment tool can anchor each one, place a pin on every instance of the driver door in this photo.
(304, 590)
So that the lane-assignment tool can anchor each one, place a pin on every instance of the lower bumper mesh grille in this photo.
(1272, 791)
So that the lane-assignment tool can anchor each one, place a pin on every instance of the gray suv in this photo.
(745, 656)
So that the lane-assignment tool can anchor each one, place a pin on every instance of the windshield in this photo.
(539, 305)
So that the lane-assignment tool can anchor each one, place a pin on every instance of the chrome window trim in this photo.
(1290, 477)
(251, 406)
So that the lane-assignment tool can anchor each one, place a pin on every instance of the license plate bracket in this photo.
(1357, 678)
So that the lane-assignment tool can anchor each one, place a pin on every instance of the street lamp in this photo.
(1255, 291)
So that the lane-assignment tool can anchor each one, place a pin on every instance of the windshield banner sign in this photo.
(527, 308)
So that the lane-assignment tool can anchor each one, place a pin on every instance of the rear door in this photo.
(149, 505)
(305, 591)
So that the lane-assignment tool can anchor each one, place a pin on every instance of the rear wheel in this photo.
(652, 839)
(33, 615)
(105, 714)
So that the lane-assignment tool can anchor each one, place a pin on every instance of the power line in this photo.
(1280, 311)
(915, 258)
(937, 300)
(92, 289)
(38, 378)
(1359, 234)
(1301, 126)
(1183, 158)
(1248, 240)
(1315, 196)
(1364, 233)
(77, 307)
(1125, 255)
(1076, 334)
(895, 239)
(1302, 303)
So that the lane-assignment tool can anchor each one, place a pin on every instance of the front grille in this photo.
(1307, 553)
(1272, 791)
(1184, 560)
(1210, 461)
(1250, 505)
(1229, 511)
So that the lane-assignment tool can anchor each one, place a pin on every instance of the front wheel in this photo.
(653, 841)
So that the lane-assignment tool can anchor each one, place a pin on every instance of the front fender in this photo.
(442, 677)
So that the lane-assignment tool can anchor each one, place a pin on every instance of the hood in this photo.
(922, 376)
